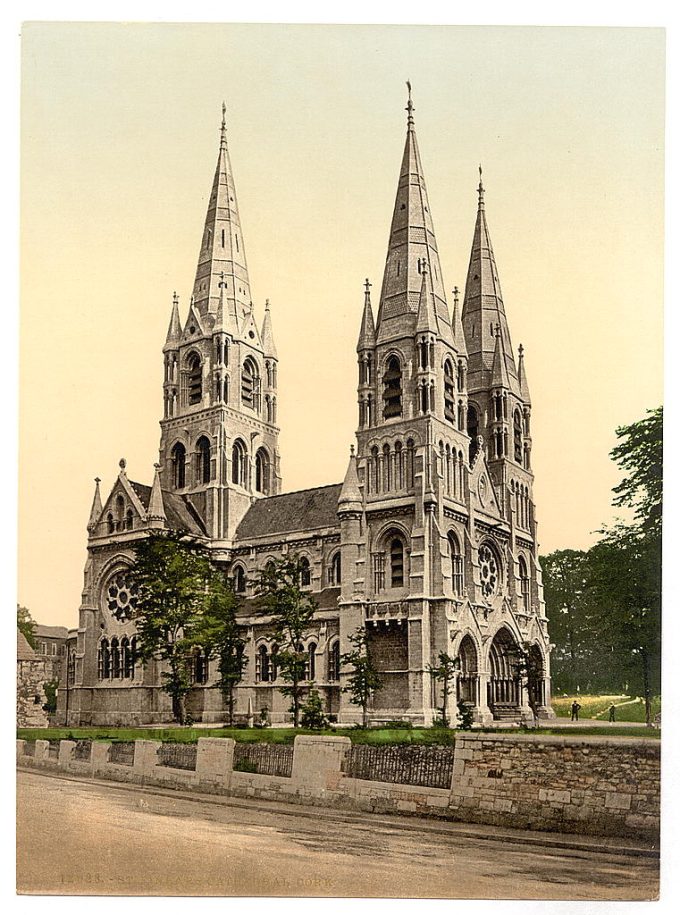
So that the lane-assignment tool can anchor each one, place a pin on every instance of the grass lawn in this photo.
(628, 708)
(376, 736)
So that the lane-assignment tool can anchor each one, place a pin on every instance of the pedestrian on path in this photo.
(575, 708)
(612, 713)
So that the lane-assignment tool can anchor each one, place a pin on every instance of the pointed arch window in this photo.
(517, 434)
(179, 456)
(239, 580)
(311, 661)
(449, 396)
(334, 661)
(392, 391)
(129, 520)
(238, 463)
(250, 385)
(262, 471)
(524, 584)
(262, 669)
(456, 564)
(203, 460)
(334, 571)
(305, 573)
(104, 660)
(473, 431)
(396, 562)
(194, 379)
(120, 513)
(110, 524)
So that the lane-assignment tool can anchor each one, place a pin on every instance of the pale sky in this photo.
(120, 130)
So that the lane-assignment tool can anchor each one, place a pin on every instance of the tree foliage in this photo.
(172, 573)
(363, 679)
(220, 634)
(290, 610)
(604, 605)
(640, 455)
(444, 672)
(26, 625)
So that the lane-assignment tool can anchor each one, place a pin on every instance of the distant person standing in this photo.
(575, 708)
(612, 713)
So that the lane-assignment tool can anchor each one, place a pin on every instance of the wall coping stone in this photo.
(575, 740)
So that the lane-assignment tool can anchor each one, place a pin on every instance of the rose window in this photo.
(489, 570)
(121, 596)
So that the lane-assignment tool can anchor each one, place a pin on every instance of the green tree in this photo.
(313, 714)
(640, 454)
(220, 633)
(444, 672)
(26, 625)
(172, 573)
(290, 611)
(626, 582)
(50, 688)
(364, 679)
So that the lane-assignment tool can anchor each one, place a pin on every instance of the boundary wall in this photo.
(591, 786)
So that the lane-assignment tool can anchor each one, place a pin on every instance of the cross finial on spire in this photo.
(351, 450)
(367, 291)
(455, 295)
(480, 189)
(175, 298)
(97, 480)
(409, 105)
(223, 127)
(521, 351)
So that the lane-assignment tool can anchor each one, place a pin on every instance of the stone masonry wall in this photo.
(596, 786)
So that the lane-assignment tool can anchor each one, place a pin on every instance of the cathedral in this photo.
(430, 540)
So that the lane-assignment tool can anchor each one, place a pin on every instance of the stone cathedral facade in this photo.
(430, 540)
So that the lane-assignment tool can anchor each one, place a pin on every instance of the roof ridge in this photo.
(293, 492)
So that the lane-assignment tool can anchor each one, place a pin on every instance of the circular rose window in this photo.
(489, 570)
(121, 596)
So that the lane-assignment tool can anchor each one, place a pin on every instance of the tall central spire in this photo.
(412, 242)
(222, 258)
(483, 309)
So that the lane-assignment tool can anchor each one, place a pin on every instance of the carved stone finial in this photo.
(122, 463)
(351, 450)
(97, 480)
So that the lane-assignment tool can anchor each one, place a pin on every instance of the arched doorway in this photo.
(467, 674)
(503, 694)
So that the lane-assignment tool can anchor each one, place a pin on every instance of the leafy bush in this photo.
(313, 715)
(245, 765)
(464, 717)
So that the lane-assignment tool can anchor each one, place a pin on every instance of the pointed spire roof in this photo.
(350, 494)
(268, 344)
(225, 316)
(411, 239)
(426, 321)
(367, 332)
(156, 510)
(457, 325)
(499, 369)
(222, 249)
(96, 510)
(483, 307)
(175, 326)
(521, 374)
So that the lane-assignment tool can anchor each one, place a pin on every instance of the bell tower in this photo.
(219, 437)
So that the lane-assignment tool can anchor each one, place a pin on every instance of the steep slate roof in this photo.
(51, 632)
(307, 509)
(179, 511)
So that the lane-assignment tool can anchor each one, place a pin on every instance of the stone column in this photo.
(100, 755)
(42, 750)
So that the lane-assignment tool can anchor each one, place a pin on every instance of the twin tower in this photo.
(429, 542)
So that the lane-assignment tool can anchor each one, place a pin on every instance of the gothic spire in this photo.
(350, 494)
(96, 510)
(426, 321)
(175, 326)
(483, 308)
(156, 510)
(222, 248)
(521, 374)
(367, 332)
(268, 344)
(457, 325)
(499, 368)
(411, 239)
